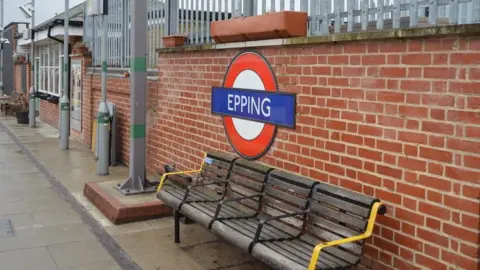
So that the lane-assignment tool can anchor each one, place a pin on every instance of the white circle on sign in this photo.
(247, 129)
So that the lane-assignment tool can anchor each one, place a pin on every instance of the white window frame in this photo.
(49, 56)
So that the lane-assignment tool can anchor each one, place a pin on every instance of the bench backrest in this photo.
(287, 193)
(217, 166)
(337, 213)
(246, 179)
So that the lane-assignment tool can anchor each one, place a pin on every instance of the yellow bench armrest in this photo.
(165, 175)
(366, 234)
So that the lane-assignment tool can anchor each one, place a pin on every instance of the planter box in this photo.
(173, 41)
(284, 24)
(22, 117)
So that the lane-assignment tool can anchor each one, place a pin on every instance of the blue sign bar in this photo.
(276, 108)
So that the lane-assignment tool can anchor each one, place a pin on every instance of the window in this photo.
(49, 68)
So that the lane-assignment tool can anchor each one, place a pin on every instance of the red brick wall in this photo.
(49, 113)
(398, 120)
(118, 92)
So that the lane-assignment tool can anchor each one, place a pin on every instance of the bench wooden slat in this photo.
(290, 187)
(340, 229)
(319, 209)
(252, 184)
(239, 170)
(334, 251)
(297, 179)
(211, 169)
(306, 251)
(327, 236)
(227, 159)
(347, 195)
(342, 204)
(325, 261)
(282, 196)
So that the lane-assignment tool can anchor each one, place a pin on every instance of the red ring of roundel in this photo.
(256, 148)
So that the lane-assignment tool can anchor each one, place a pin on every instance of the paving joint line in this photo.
(107, 241)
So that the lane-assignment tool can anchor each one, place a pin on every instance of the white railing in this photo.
(192, 18)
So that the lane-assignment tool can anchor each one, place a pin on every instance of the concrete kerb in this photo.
(107, 241)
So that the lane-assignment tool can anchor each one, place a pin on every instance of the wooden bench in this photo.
(283, 219)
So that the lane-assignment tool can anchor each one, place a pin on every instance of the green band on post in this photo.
(65, 66)
(65, 106)
(104, 66)
(137, 131)
(139, 64)
(103, 118)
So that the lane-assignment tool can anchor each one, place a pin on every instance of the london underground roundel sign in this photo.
(251, 105)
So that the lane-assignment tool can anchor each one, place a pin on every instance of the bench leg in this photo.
(177, 226)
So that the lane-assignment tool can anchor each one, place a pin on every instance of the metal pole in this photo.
(1, 53)
(137, 181)
(65, 102)
(32, 113)
(103, 117)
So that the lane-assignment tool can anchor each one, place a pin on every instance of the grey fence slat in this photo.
(272, 6)
(475, 17)
(453, 18)
(380, 14)
(190, 19)
(396, 14)
(432, 12)
(264, 6)
(282, 5)
(364, 17)
(292, 4)
(233, 8)
(338, 22)
(209, 10)
(313, 15)
(325, 20)
(225, 17)
(413, 13)
(350, 21)
(372, 5)
(304, 5)
(202, 22)
(182, 18)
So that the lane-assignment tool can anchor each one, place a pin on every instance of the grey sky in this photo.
(45, 9)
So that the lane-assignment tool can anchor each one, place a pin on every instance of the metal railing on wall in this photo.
(192, 18)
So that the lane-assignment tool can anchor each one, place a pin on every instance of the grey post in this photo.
(65, 102)
(1, 53)
(103, 116)
(32, 113)
(137, 181)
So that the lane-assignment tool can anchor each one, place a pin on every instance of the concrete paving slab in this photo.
(9, 196)
(44, 236)
(23, 259)
(20, 221)
(217, 254)
(106, 265)
(86, 252)
(166, 260)
(128, 228)
(54, 218)
(161, 223)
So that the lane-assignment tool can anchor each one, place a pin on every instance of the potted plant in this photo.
(173, 41)
(80, 48)
(271, 25)
(22, 112)
(19, 58)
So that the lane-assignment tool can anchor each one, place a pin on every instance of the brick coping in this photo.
(424, 32)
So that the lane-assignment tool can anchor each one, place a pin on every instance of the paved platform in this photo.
(38, 229)
(140, 245)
